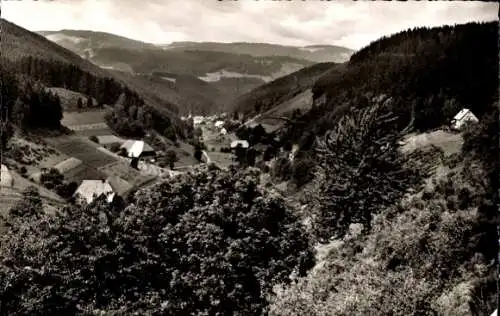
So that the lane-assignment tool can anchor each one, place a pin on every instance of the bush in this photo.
(282, 169)
(115, 147)
(170, 158)
(94, 139)
(212, 242)
(23, 170)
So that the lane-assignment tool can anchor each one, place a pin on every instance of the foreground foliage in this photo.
(210, 243)
(360, 172)
(431, 253)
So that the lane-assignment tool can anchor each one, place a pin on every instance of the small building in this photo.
(90, 190)
(464, 117)
(137, 149)
(6, 179)
(239, 143)
(197, 120)
(219, 124)
(223, 131)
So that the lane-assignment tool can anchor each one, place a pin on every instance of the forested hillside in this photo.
(430, 72)
(372, 230)
(425, 247)
(33, 58)
(271, 94)
(193, 62)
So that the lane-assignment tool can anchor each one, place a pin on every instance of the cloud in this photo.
(344, 23)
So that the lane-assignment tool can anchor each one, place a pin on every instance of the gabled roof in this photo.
(135, 148)
(242, 143)
(91, 189)
(460, 115)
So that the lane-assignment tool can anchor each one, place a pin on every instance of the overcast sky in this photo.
(344, 23)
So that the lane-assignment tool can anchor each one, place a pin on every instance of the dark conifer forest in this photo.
(330, 215)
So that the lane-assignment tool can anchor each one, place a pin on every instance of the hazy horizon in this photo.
(348, 24)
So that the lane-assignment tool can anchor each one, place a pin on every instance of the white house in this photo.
(239, 143)
(137, 148)
(495, 313)
(89, 190)
(223, 131)
(6, 179)
(197, 120)
(219, 124)
(463, 117)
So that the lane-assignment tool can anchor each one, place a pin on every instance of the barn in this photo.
(89, 190)
(464, 117)
(137, 149)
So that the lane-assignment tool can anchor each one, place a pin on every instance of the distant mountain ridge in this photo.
(85, 39)
(313, 53)
(230, 68)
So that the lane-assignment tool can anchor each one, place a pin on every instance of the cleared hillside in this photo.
(266, 97)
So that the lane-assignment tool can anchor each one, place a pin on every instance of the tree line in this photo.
(426, 74)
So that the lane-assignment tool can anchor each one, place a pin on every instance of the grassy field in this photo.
(83, 118)
(82, 149)
(9, 196)
(214, 142)
(123, 170)
(302, 101)
(94, 132)
(450, 143)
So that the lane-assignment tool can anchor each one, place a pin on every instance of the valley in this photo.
(201, 177)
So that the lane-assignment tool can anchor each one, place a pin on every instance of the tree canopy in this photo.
(209, 243)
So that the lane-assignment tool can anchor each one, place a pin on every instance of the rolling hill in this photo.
(230, 69)
(314, 53)
(89, 43)
(85, 42)
(422, 75)
(29, 52)
(281, 93)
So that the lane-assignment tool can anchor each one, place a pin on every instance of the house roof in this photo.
(460, 115)
(6, 179)
(219, 123)
(242, 143)
(90, 189)
(135, 148)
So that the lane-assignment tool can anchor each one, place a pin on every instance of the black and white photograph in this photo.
(249, 158)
